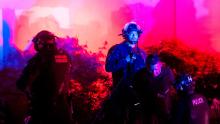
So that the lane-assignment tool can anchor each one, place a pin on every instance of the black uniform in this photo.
(191, 109)
(117, 106)
(46, 75)
(153, 92)
(117, 64)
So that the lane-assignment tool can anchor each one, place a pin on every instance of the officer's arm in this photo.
(22, 82)
(206, 118)
(167, 85)
(29, 73)
(169, 80)
(114, 62)
(143, 55)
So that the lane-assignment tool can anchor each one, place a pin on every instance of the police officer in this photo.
(192, 108)
(126, 58)
(123, 61)
(44, 80)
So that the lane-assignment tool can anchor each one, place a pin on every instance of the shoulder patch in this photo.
(61, 58)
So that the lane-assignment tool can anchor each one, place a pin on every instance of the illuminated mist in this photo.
(194, 22)
(186, 31)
